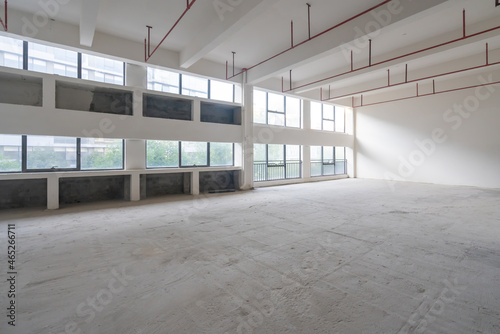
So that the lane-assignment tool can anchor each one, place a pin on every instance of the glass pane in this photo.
(101, 153)
(292, 153)
(316, 119)
(340, 119)
(328, 154)
(260, 164)
(221, 154)
(276, 102)
(194, 86)
(293, 161)
(276, 119)
(340, 160)
(328, 169)
(162, 153)
(222, 91)
(328, 126)
(11, 52)
(316, 163)
(259, 154)
(339, 153)
(276, 153)
(259, 106)
(194, 154)
(46, 152)
(315, 153)
(163, 81)
(10, 153)
(102, 69)
(52, 60)
(293, 112)
(328, 112)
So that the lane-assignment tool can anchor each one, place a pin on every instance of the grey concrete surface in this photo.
(347, 256)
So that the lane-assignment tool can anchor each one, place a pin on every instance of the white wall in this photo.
(450, 138)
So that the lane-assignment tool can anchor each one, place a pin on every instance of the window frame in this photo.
(334, 164)
(78, 168)
(285, 162)
(284, 113)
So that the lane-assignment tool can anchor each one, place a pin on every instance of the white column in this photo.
(306, 114)
(248, 138)
(306, 161)
(135, 187)
(49, 94)
(197, 110)
(136, 76)
(195, 183)
(52, 192)
(135, 159)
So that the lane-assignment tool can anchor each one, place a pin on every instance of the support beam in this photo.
(231, 19)
(88, 21)
(392, 15)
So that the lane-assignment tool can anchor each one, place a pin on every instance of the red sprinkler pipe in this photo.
(429, 94)
(398, 57)
(147, 41)
(4, 25)
(313, 37)
(413, 81)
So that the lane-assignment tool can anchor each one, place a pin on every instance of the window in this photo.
(221, 91)
(293, 162)
(48, 152)
(277, 162)
(194, 86)
(52, 60)
(11, 52)
(101, 153)
(163, 81)
(221, 154)
(327, 117)
(275, 109)
(10, 153)
(51, 153)
(102, 69)
(162, 154)
(194, 154)
(327, 160)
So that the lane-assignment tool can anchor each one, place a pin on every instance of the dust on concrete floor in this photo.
(347, 256)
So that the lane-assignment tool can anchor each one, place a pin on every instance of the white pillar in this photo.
(49, 94)
(248, 138)
(52, 192)
(195, 183)
(306, 114)
(136, 76)
(306, 161)
(135, 159)
(197, 110)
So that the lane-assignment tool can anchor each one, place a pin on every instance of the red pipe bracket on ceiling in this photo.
(4, 24)
(147, 41)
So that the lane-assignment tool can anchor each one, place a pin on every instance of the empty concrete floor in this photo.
(348, 256)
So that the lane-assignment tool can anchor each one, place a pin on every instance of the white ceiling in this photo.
(264, 33)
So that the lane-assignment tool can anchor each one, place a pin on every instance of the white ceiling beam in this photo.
(232, 16)
(88, 21)
(371, 24)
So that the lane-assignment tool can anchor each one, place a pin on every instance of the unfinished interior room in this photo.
(250, 166)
